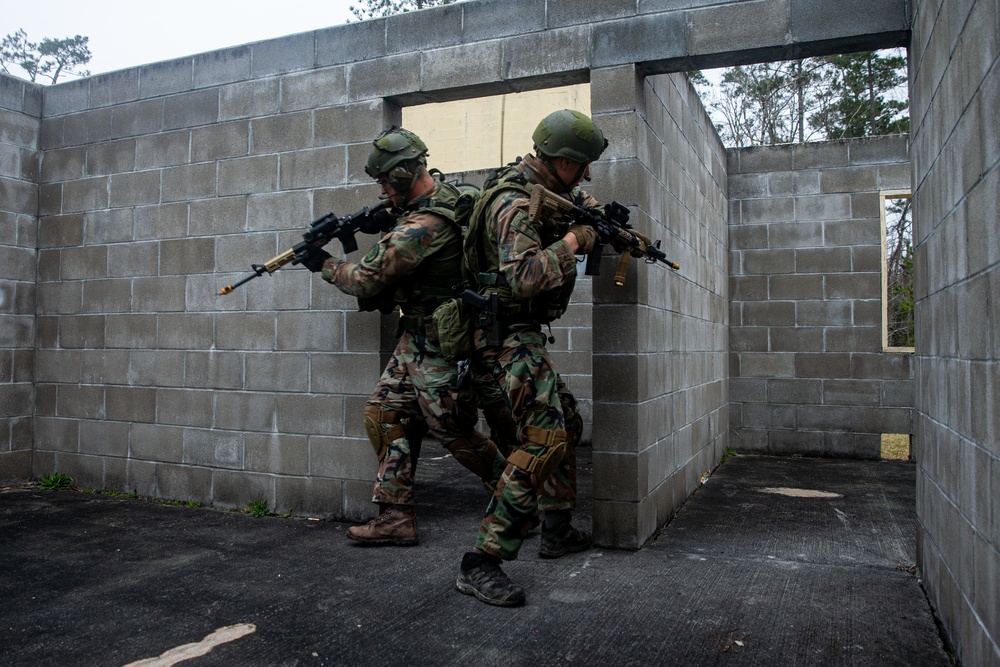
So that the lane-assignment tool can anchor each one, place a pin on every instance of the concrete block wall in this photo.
(20, 124)
(955, 93)
(808, 374)
(160, 184)
(660, 343)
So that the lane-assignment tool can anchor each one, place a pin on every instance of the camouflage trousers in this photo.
(538, 398)
(419, 384)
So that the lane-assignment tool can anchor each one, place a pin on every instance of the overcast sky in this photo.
(125, 34)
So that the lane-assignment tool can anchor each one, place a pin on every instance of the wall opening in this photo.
(897, 271)
(895, 446)
(487, 132)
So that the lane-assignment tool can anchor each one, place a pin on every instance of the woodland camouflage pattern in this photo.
(536, 263)
(417, 381)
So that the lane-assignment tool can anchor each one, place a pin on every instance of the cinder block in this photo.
(157, 368)
(248, 175)
(344, 373)
(309, 496)
(275, 453)
(285, 54)
(184, 183)
(751, 24)
(134, 189)
(163, 294)
(384, 77)
(244, 411)
(309, 414)
(623, 477)
(417, 31)
(312, 168)
(86, 194)
(237, 489)
(104, 438)
(111, 157)
(528, 55)
(314, 89)
(167, 77)
(185, 256)
(85, 331)
(349, 123)
(224, 140)
(490, 20)
(131, 331)
(137, 118)
(106, 296)
(766, 364)
(155, 442)
(163, 150)
(87, 127)
(189, 110)
(639, 39)
(277, 372)
(249, 99)
(184, 407)
(459, 66)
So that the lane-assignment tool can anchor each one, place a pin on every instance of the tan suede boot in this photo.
(396, 525)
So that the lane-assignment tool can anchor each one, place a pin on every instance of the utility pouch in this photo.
(451, 329)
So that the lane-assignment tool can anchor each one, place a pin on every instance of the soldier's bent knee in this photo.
(382, 427)
(476, 452)
(542, 465)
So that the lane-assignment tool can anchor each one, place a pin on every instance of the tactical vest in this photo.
(482, 256)
(420, 292)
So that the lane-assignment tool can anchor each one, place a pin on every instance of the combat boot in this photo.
(563, 539)
(481, 576)
(396, 525)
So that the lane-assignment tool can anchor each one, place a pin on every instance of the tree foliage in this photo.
(373, 9)
(899, 272)
(853, 95)
(49, 59)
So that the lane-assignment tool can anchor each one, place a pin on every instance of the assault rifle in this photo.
(371, 220)
(611, 225)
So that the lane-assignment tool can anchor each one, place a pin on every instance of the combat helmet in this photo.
(397, 154)
(569, 134)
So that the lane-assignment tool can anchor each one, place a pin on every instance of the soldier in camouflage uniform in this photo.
(415, 265)
(530, 265)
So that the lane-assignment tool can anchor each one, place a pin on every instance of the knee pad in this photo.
(540, 466)
(382, 427)
(477, 453)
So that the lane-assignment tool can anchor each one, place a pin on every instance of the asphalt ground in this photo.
(773, 561)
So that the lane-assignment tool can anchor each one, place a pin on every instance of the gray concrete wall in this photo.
(808, 374)
(160, 184)
(955, 93)
(660, 377)
(20, 123)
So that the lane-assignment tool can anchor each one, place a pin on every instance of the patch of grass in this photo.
(258, 507)
(896, 446)
(728, 454)
(55, 481)
(119, 494)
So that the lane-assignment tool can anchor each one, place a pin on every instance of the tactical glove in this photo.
(314, 259)
(586, 238)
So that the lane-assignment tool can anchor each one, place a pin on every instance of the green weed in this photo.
(258, 507)
(55, 481)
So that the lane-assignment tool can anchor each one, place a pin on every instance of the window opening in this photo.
(897, 271)
(487, 132)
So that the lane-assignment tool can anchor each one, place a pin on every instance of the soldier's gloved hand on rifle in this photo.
(586, 237)
(314, 258)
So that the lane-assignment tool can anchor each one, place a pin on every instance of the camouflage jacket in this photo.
(536, 262)
(418, 259)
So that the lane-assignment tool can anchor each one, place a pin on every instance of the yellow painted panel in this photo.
(488, 132)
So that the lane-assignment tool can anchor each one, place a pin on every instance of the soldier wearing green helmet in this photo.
(526, 265)
(413, 267)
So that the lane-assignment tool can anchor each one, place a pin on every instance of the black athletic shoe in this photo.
(487, 582)
(562, 540)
